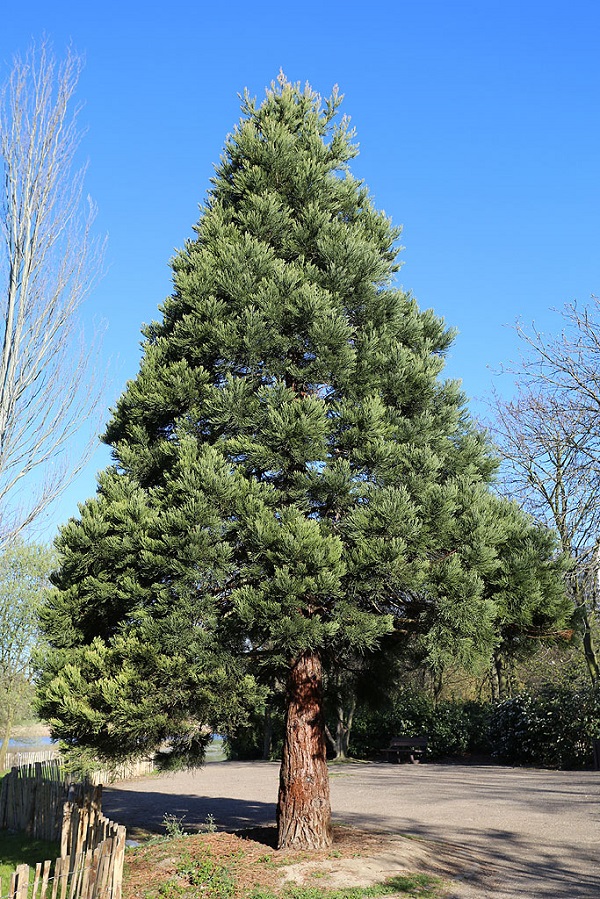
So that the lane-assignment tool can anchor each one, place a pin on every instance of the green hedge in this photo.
(453, 728)
(552, 728)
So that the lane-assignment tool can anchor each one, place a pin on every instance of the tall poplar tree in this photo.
(290, 473)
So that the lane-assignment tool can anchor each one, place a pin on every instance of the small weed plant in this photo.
(210, 825)
(174, 826)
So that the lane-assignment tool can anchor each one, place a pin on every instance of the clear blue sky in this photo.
(478, 124)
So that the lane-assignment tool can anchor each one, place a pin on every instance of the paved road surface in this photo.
(513, 832)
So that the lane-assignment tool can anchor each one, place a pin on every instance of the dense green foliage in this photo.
(134, 661)
(454, 728)
(552, 728)
(292, 475)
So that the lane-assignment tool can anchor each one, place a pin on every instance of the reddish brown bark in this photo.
(304, 808)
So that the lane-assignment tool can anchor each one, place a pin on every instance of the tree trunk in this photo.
(494, 682)
(267, 734)
(341, 742)
(344, 728)
(589, 650)
(438, 686)
(6, 738)
(304, 808)
(503, 677)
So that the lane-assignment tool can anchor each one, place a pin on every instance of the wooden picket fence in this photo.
(32, 798)
(92, 848)
(94, 874)
(125, 771)
(84, 826)
(26, 757)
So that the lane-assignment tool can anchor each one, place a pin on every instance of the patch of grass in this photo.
(19, 849)
(215, 751)
(415, 886)
(212, 880)
(203, 876)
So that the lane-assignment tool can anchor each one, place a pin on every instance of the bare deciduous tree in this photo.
(49, 260)
(568, 365)
(549, 436)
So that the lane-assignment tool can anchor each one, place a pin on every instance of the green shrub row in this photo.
(553, 728)
(453, 728)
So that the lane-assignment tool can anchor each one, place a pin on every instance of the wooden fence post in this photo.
(21, 882)
(118, 862)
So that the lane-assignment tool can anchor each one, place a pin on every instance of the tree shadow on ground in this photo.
(511, 865)
(144, 813)
(267, 835)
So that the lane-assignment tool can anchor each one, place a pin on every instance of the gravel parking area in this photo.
(500, 832)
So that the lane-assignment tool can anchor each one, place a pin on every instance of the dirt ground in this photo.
(357, 859)
(492, 832)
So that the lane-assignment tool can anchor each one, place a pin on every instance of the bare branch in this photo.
(549, 466)
(549, 437)
(49, 261)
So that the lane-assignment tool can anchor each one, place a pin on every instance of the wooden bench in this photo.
(411, 748)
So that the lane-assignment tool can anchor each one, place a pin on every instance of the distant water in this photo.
(214, 752)
(29, 744)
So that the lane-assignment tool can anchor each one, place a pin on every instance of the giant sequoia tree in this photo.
(292, 478)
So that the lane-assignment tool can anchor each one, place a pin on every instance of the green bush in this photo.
(459, 728)
(552, 728)
(453, 728)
